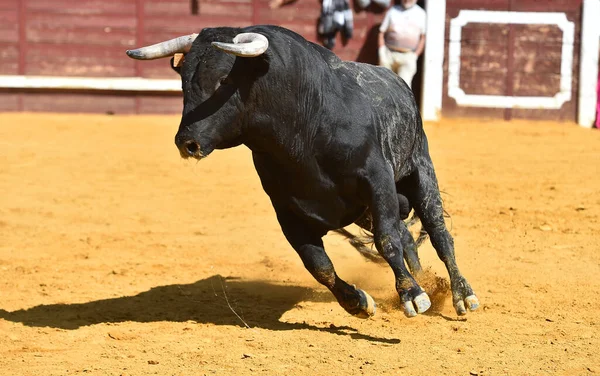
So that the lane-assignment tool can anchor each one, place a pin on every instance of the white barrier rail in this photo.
(90, 83)
(588, 74)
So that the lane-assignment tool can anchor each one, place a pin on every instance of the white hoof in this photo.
(472, 302)
(460, 308)
(409, 309)
(367, 305)
(422, 302)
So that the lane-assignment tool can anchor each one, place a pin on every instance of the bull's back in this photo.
(383, 87)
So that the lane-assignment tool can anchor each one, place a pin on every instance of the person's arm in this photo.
(421, 45)
(382, 50)
(380, 40)
(385, 24)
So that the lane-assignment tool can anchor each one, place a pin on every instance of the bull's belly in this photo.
(327, 212)
(322, 199)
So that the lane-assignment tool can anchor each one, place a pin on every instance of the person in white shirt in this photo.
(402, 38)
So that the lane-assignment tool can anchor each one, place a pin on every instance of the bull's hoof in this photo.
(367, 306)
(471, 302)
(463, 297)
(419, 304)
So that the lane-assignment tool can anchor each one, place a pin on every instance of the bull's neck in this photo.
(284, 139)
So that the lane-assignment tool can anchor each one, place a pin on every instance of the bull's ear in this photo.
(177, 62)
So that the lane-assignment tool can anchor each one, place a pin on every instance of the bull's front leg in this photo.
(388, 232)
(308, 243)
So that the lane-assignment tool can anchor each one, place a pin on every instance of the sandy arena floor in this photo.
(119, 258)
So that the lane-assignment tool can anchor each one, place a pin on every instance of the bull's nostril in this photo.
(192, 147)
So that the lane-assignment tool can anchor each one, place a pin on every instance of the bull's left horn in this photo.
(245, 45)
(163, 49)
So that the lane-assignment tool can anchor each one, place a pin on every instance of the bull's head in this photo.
(214, 86)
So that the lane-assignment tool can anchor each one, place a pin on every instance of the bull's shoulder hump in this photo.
(368, 74)
(373, 80)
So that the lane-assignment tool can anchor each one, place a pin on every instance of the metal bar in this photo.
(588, 66)
(433, 67)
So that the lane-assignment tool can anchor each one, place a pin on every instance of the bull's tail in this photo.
(364, 243)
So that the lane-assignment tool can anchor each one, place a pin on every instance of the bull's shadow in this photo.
(216, 300)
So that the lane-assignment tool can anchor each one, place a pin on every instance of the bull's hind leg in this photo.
(307, 241)
(411, 255)
(408, 243)
(389, 231)
(425, 195)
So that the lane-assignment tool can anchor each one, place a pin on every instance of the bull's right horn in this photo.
(245, 45)
(163, 49)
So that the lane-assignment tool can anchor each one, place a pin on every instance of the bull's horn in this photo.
(245, 45)
(163, 49)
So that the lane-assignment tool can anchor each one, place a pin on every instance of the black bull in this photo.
(334, 143)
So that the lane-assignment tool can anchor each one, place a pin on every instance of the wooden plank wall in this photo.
(513, 59)
(89, 38)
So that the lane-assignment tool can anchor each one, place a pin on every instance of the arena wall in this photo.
(498, 58)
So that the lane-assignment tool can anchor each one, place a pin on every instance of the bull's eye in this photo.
(225, 80)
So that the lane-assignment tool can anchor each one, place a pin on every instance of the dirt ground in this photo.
(119, 258)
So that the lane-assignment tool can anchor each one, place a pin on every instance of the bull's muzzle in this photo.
(191, 149)
(188, 147)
